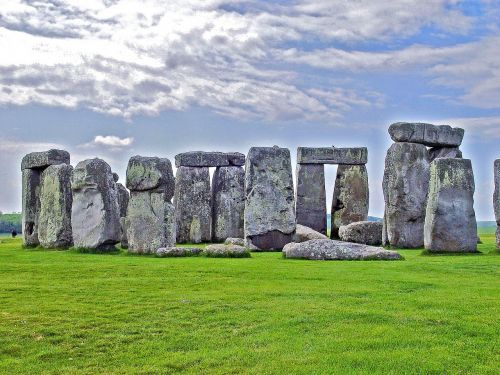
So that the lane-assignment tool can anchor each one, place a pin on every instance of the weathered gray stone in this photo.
(166, 252)
(405, 185)
(193, 207)
(303, 233)
(332, 155)
(235, 241)
(115, 177)
(444, 152)
(364, 232)
(30, 206)
(350, 197)
(496, 198)
(226, 251)
(450, 221)
(123, 233)
(310, 204)
(209, 159)
(426, 134)
(123, 198)
(54, 222)
(270, 203)
(150, 174)
(95, 215)
(228, 200)
(336, 250)
(150, 222)
(44, 159)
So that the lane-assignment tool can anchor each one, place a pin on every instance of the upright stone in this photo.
(123, 199)
(228, 199)
(450, 222)
(30, 206)
(350, 197)
(193, 207)
(405, 185)
(54, 223)
(496, 198)
(310, 205)
(269, 204)
(95, 216)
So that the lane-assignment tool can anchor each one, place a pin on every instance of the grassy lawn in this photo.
(63, 312)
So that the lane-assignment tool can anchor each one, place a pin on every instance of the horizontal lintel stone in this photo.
(209, 159)
(332, 155)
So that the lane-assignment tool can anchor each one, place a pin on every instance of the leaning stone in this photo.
(332, 155)
(44, 159)
(54, 222)
(226, 251)
(310, 204)
(269, 205)
(364, 232)
(426, 134)
(405, 185)
(95, 215)
(444, 152)
(228, 199)
(209, 159)
(150, 222)
(235, 241)
(193, 204)
(166, 252)
(350, 197)
(450, 221)
(336, 250)
(150, 174)
(30, 206)
(303, 233)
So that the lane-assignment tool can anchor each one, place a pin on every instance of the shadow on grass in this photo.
(112, 251)
(448, 253)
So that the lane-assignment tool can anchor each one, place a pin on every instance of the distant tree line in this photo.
(8, 222)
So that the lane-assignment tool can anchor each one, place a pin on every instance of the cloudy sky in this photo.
(115, 78)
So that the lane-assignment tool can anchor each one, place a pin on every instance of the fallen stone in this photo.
(450, 222)
(270, 203)
(30, 206)
(350, 197)
(235, 241)
(310, 204)
(336, 250)
(303, 233)
(95, 215)
(496, 199)
(363, 232)
(426, 134)
(209, 159)
(226, 251)
(228, 199)
(444, 152)
(44, 159)
(332, 155)
(405, 185)
(150, 174)
(193, 204)
(54, 222)
(150, 222)
(165, 252)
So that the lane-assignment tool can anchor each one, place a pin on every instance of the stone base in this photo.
(274, 240)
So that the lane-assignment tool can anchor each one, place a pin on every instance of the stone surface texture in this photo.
(426, 134)
(444, 152)
(332, 155)
(363, 232)
(193, 207)
(270, 203)
(228, 202)
(336, 250)
(450, 222)
(54, 222)
(209, 159)
(350, 197)
(30, 206)
(235, 241)
(303, 233)
(95, 215)
(165, 252)
(405, 185)
(45, 158)
(496, 198)
(226, 251)
(150, 174)
(310, 203)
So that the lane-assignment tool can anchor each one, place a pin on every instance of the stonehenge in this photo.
(310, 205)
(496, 199)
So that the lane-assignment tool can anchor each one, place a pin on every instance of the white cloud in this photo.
(113, 141)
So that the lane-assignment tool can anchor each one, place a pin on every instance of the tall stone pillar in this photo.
(310, 205)
(496, 199)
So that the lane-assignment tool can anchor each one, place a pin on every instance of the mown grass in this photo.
(65, 312)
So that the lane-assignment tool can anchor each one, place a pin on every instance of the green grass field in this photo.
(64, 312)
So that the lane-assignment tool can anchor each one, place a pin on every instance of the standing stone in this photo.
(310, 206)
(95, 216)
(269, 204)
(450, 222)
(405, 185)
(350, 197)
(496, 199)
(193, 207)
(30, 206)
(228, 199)
(54, 222)
(444, 152)
(123, 199)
